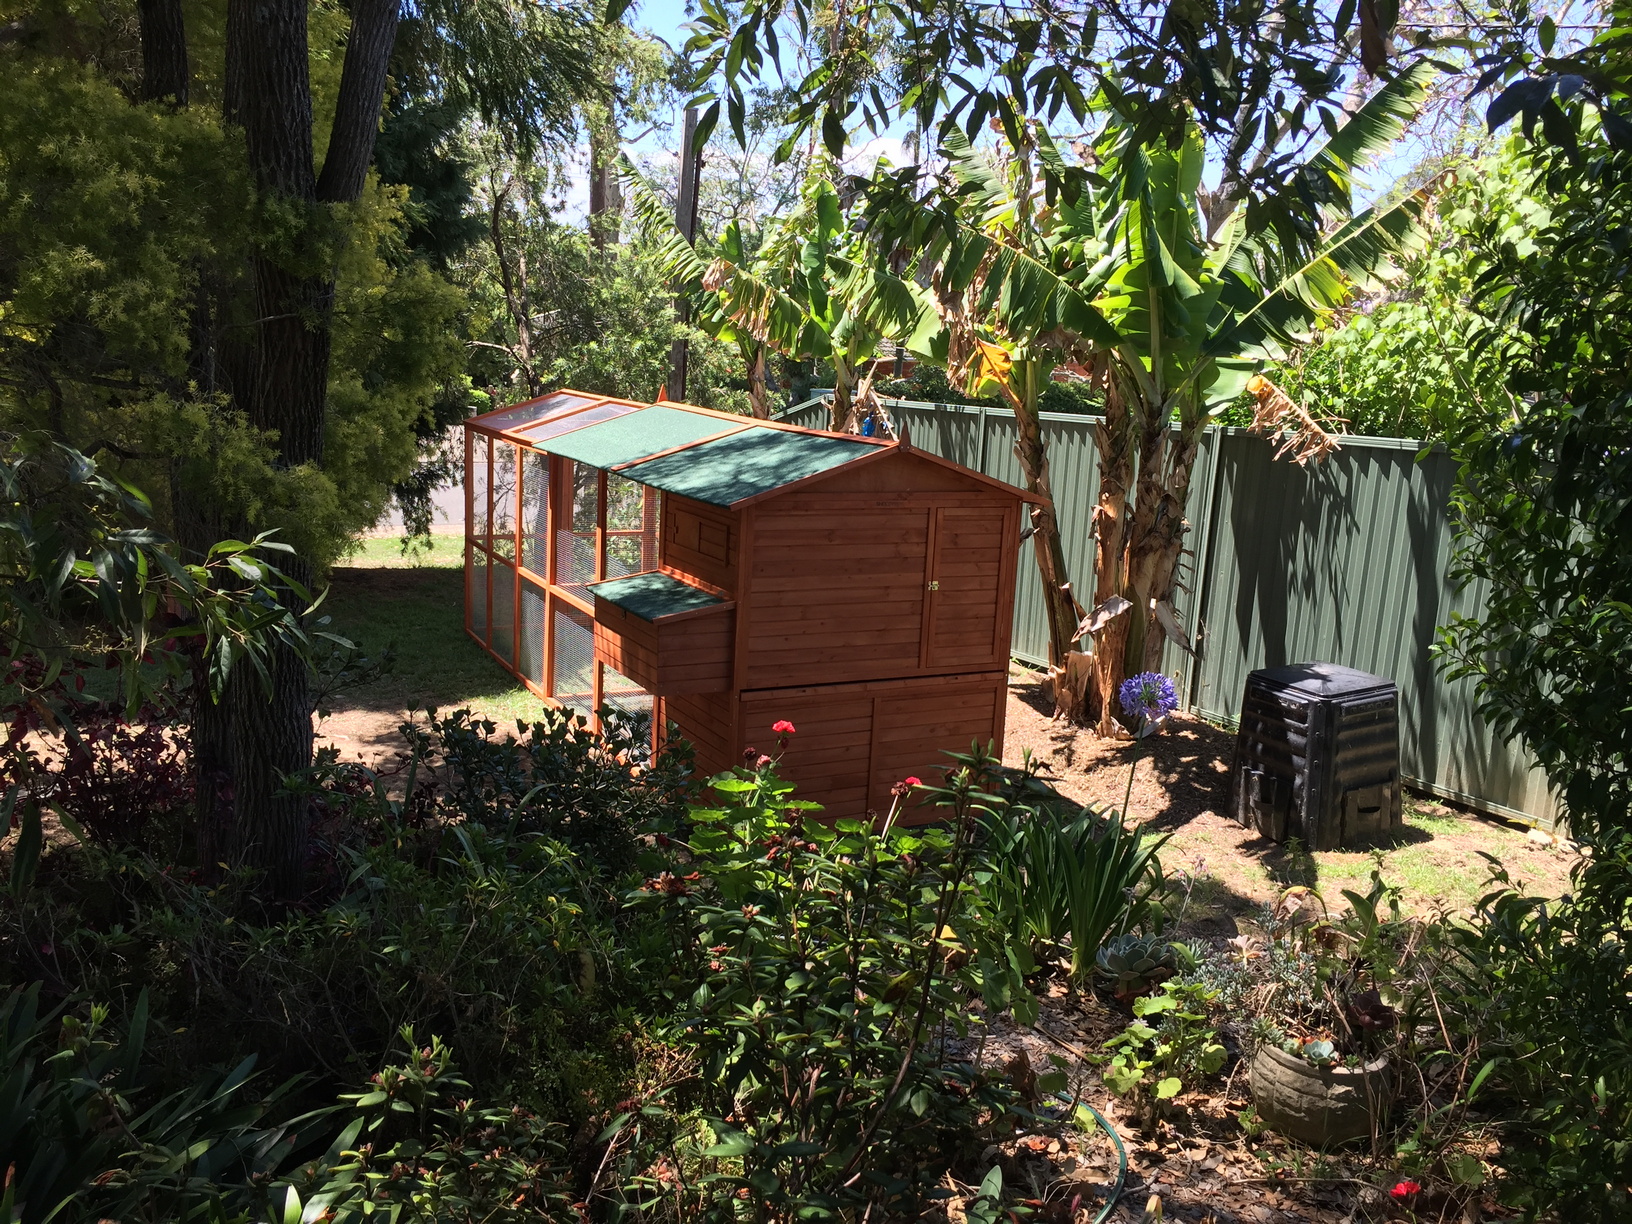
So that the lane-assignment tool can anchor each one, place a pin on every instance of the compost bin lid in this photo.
(1319, 679)
(653, 595)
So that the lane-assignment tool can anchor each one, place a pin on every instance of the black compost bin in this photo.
(1318, 755)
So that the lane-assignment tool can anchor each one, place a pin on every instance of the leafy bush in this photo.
(560, 779)
(1538, 992)
(87, 1138)
(1148, 1062)
(815, 975)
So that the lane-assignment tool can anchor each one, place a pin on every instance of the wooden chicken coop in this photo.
(720, 574)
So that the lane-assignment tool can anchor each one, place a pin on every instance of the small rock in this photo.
(1540, 838)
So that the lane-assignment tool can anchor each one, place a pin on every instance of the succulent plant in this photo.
(1136, 964)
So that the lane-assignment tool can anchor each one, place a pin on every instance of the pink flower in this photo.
(1405, 1189)
(913, 781)
(782, 727)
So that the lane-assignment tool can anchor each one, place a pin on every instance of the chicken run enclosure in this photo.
(722, 574)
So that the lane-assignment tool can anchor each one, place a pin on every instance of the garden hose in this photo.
(1121, 1152)
(1121, 1155)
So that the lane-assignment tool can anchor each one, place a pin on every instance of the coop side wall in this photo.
(841, 632)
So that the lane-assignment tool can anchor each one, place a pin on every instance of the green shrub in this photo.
(815, 976)
(1539, 994)
(560, 779)
(86, 1138)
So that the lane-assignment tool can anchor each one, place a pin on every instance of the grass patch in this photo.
(379, 598)
(387, 552)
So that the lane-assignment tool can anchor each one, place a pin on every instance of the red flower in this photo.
(1405, 1189)
(782, 727)
(913, 781)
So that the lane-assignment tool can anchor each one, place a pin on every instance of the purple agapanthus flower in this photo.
(1146, 699)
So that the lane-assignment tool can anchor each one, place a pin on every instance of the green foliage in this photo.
(87, 1137)
(1149, 1062)
(812, 975)
(87, 579)
(1414, 361)
(560, 780)
(1536, 991)
(1051, 881)
(1541, 506)
(428, 1152)
(128, 230)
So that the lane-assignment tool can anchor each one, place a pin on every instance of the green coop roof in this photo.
(636, 436)
(745, 464)
(651, 596)
(708, 456)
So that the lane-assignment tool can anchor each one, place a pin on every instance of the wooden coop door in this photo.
(963, 616)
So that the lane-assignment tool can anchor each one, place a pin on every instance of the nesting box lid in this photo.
(1320, 681)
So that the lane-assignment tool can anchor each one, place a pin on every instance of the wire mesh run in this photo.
(573, 683)
(531, 662)
(477, 587)
(535, 511)
(632, 704)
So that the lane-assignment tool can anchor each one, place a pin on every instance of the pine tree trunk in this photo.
(1114, 440)
(164, 51)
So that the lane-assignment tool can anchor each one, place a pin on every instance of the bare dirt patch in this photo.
(1181, 787)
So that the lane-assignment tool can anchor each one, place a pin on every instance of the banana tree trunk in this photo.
(1167, 546)
(1152, 522)
(1067, 665)
(1114, 442)
(842, 396)
(759, 395)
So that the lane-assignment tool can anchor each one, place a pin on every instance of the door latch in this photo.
(935, 586)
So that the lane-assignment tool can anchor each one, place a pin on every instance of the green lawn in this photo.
(379, 598)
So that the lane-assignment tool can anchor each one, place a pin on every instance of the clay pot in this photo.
(1318, 1105)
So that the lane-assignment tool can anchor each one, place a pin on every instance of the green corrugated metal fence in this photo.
(1343, 562)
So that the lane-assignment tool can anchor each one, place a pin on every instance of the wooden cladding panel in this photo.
(705, 721)
(834, 598)
(688, 655)
(855, 741)
(827, 757)
(914, 731)
(700, 541)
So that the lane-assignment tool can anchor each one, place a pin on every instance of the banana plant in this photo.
(1195, 318)
(1103, 266)
(807, 293)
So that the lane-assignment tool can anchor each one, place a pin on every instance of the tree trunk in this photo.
(1150, 523)
(357, 110)
(1114, 441)
(164, 51)
(843, 407)
(1066, 664)
(1170, 529)
(605, 191)
(269, 92)
(759, 395)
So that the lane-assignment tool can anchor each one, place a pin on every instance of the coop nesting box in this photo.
(721, 574)
(1318, 755)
